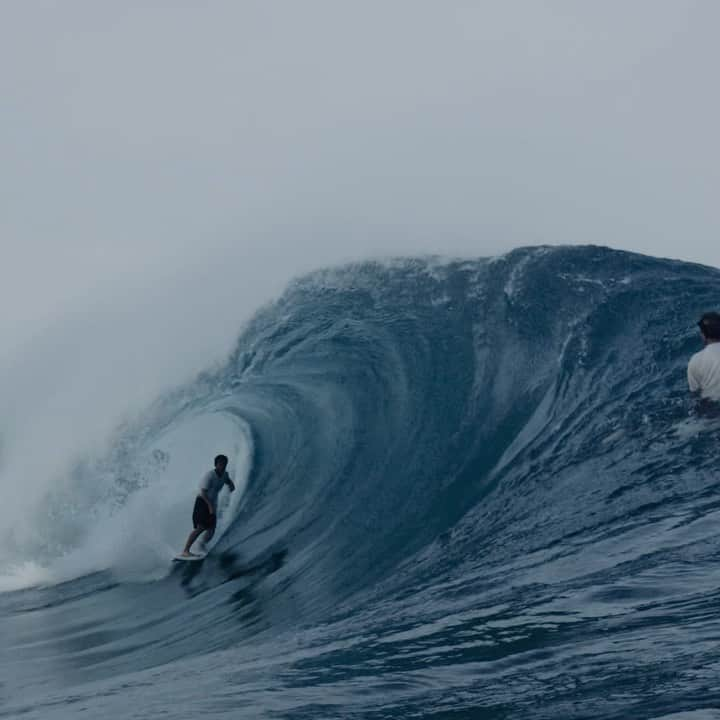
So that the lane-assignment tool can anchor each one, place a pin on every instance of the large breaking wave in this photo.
(466, 485)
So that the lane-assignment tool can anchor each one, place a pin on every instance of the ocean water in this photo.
(466, 489)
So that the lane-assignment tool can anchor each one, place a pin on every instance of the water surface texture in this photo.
(472, 489)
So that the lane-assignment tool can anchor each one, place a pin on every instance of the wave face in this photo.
(472, 489)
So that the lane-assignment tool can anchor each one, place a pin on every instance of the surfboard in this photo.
(190, 558)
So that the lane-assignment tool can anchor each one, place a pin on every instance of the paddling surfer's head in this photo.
(709, 325)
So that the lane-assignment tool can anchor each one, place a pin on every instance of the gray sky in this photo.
(166, 166)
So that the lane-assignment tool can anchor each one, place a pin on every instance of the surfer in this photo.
(204, 515)
(703, 370)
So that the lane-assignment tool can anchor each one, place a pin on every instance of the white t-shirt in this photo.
(212, 484)
(704, 372)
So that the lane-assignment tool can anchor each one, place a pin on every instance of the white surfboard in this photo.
(189, 558)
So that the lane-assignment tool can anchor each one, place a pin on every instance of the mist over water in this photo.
(153, 199)
(256, 229)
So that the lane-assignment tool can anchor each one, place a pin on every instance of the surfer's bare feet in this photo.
(187, 553)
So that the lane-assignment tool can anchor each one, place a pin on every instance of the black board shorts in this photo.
(201, 515)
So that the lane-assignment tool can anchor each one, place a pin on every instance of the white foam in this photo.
(138, 539)
(23, 575)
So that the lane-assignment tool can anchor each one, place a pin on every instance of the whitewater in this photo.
(472, 488)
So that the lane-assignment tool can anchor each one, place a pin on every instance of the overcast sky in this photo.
(165, 166)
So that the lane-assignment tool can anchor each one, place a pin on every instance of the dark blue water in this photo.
(474, 489)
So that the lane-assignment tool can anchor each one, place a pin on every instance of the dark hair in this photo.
(709, 325)
(221, 459)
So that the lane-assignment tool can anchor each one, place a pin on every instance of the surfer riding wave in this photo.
(204, 515)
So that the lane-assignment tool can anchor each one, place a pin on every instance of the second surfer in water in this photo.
(703, 371)
(205, 511)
